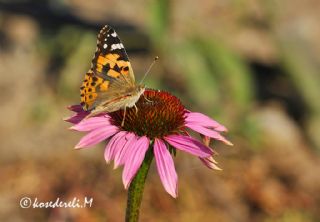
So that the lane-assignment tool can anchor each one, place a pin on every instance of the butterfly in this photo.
(109, 85)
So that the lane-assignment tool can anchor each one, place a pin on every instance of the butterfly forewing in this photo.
(110, 75)
(109, 47)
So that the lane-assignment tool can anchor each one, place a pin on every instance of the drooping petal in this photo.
(120, 156)
(189, 145)
(208, 132)
(165, 166)
(92, 123)
(203, 120)
(115, 143)
(210, 163)
(75, 108)
(205, 140)
(96, 136)
(76, 118)
(135, 155)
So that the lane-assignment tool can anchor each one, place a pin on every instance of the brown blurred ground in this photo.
(252, 65)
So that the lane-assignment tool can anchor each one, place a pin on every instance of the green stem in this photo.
(136, 189)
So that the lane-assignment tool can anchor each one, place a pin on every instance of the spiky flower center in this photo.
(158, 114)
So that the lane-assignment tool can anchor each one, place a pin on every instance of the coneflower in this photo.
(159, 126)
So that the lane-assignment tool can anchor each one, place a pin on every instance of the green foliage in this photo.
(74, 48)
(159, 21)
(77, 60)
(40, 110)
(303, 70)
(292, 216)
(216, 79)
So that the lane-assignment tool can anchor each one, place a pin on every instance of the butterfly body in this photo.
(109, 85)
(128, 99)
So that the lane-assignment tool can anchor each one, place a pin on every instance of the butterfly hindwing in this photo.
(91, 85)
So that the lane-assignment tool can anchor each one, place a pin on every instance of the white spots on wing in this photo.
(105, 39)
(114, 34)
(108, 35)
(116, 46)
(103, 32)
(105, 46)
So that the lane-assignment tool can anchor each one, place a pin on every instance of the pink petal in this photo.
(96, 136)
(134, 157)
(210, 163)
(76, 118)
(188, 144)
(92, 123)
(115, 143)
(120, 156)
(205, 140)
(203, 120)
(208, 132)
(76, 108)
(165, 166)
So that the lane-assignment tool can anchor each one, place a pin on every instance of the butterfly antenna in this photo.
(147, 72)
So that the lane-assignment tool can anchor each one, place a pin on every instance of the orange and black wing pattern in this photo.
(110, 71)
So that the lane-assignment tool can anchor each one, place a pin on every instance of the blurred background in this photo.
(251, 65)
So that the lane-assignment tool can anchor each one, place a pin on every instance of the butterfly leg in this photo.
(147, 99)
(136, 108)
(124, 116)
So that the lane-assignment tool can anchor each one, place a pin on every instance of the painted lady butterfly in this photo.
(109, 85)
